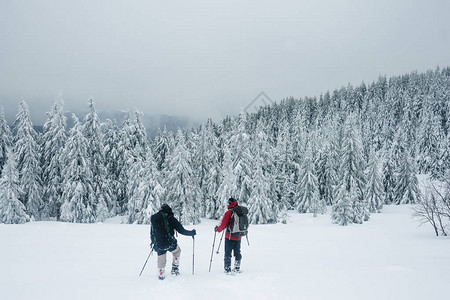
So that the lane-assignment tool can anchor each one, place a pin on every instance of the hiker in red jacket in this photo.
(232, 243)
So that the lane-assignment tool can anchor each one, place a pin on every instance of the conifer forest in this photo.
(347, 153)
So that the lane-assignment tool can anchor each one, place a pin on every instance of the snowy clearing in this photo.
(389, 257)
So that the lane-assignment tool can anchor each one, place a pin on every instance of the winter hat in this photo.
(231, 200)
(166, 207)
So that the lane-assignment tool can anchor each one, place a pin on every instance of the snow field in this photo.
(389, 257)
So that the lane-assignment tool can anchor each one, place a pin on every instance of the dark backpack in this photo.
(161, 233)
(239, 225)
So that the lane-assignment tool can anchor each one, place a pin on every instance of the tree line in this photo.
(354, 149)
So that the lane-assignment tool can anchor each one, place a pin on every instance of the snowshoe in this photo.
(228, 271)
(162, 274)
(237, 267)
(175, 270)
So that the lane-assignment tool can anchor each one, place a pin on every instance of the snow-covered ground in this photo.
(389, 257)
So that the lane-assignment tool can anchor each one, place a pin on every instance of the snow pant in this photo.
(230, 246)
(162, 260)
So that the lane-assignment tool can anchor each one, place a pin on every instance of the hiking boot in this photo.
(227, 270)
(175, 270)
(162, 274)
(237, 266)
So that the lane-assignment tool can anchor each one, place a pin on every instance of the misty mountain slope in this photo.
(152, 123)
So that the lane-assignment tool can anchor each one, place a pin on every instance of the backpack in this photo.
(160, 230)
(239, 226)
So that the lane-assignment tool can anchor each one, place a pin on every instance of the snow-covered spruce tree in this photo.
(227, 187)
(205, 163)
(163, 147)
(399, 156)
(26, 149)
(5, 139)
(193, 144)
(135, 174)
(360, 208)
(114, 163)
(123, 165)
(102, 193)
(262, 204)
(182, 190)
(374, 190)
(284, 171)
(388, 177)
(416, 95)
(138, 153)
(53, 141)
(213, 176)
(441, 89)
(138, 136)
(408, 124)
(265, 145)
(443, 163)
(326, 176)
(225, 131)
(299, 141)
(432, 134)
(352, 170)
(429, 134)
(407, 189)
(328, 160)
(78, 192)
(308, 189)
(443, 167)
(147, 196)
(352, 163)
(242, 158)
(342, 211)
(368, 128)
(12, 211)
(259, 204)
(373, 124)
(213, 203)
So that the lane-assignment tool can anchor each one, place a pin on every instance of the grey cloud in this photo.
(206, 59)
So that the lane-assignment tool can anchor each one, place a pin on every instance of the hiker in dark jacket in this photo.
(163, 226)
(232, 243)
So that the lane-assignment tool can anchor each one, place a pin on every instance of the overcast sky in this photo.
(208, 58)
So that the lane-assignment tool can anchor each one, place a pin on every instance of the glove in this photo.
(194, 232)
(215, 228)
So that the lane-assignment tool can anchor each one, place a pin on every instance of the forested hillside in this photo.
(354, 149)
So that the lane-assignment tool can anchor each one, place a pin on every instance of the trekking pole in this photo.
(212, 251)
(193, 255)
(220, 243)
(247, 239)
(146, 262)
